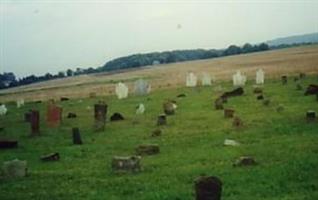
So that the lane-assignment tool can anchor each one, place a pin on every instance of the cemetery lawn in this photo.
(284, 145)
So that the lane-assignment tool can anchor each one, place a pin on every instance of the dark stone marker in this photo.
(181, 95)
(156, 133)
(245, 161)
(51, 157)
(100, 111)
(237, 122)
(39, 101)
(284, 80)
(8, 144)
(64, 99)
(116, 117)
(208, 188)
(71, 115)
(147, 149)
(228, 113)
(168, 108)
(236, 92)
(266, 102)
(260, 97)
(76, 136)
(35, 122)
(310, 115)
(258, 90)
(162, 120)
(218, 104)
(129, 163)
(312, 89)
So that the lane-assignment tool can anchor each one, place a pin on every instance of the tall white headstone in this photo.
(3, 109)
(260, 75)
(239, 79)
(121, 90)
(191, 80)
(140, 109)
(142, 87)
(20, 103)
(206, 79)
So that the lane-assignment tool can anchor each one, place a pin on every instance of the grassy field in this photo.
(284, 145)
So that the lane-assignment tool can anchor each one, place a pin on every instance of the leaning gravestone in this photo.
(147, 149)
(169, 108)
(121, 90)
(100, 111)
(239, 79)
(3, 110)
(35, 122)
(191, 80)
(53, 115)
(208, 188)
(51, 157)
(142, 87)
(126, 164)
(206, 79)
(140, 109)
(76, 136)
(260, 76)
(14, 168)
(311, 116)
(162, 120)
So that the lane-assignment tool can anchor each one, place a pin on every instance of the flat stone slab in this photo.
(15, 168)
(126, 163)
(51, 157)
(147, 149)
(245, 161)
(8, 144)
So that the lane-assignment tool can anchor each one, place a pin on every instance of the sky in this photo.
(37, 37)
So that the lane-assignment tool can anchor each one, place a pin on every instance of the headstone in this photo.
(311, 115)
(228, 113)
(239, 79)
(76, 136)
(140, 109)
(3, 109)
(237, 122)
(51, 157)
(142, 87)
(218, 104)
(260, 97)
(191, 80)
(53, 115)
(116, 117)
(260, 76)
(206, 79)
(258, 90)
(208, 188)
(64, 99)
(236, 92)
(162, 120)
(8, 144)
(20, 103)
(284, 79)
(126, 164)
(15, 168)
(245, 161)
(228, 142)
(312, 89)
(169, 108)
(156, 133)
(181, 95)
(147, 149)
(35, 122)
(71, 115)
(121, 90)
(100, 111)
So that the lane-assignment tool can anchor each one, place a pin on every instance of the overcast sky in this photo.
(44, 36)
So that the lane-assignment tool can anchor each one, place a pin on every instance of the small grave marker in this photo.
(208, 188)
(126, 164)
(162, 120)
(76, 136)
(51, 157)
(311, 115)
(228, 113)
(147, 149)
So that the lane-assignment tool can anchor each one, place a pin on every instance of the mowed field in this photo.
(275, 63)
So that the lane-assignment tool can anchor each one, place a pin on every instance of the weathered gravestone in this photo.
(228, 142)
(191, 80)
(147, 149)
(117, 117)
(71, 115)
(169, 107)
(239, 79)
(208, 188)
(206, 79)
(258, 90)
(181, 95)
(236, 92)
(284, 79)
(237, 122)
(218, 104)
(100, 111)
(260, 76)
(35, 122)
(20, 103)
(3, 109)
(14, 168)
(8, 144)
(162, 120)
(312, 89)
(245, 161)
(121, 90)
(76, 136)
(53, 115)
(311, 116)
(64, 99)
(228, 113)
(126, 164)
(140, 109)
(142, 87)
(51, 157)
(260, 97)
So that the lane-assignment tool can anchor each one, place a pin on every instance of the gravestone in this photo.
(156, 133)
(260, 97)
(245, 161)
(140, 109)
(311, 116)
(100, 111)
(208, 188)
(258, 90)
(71, 115)
(218, 104)
(181, 95)
(162, 120)
(236, 92)
(35, 122)
(3, 109)
(142, 87)
(116, 117)
(76, 136)
(239, 79)
(64, 99)
(191, 80)
(8, 144)
(260, 76)
(206, 79)
(237, 122)
(53, 115)
(312, 89)
(14, 169)
(20, 103)
(284, 79)
(121, 90)
(228, 113)
(169, 108)
(266, 102)
(147, 149)
(51, 157)
(126, 164)
(228, 142)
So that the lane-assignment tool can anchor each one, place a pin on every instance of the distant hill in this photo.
(297, 39)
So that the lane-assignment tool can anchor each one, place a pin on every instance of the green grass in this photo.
(284, 145)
